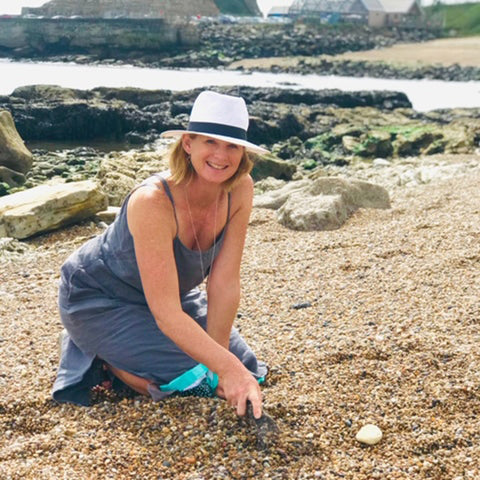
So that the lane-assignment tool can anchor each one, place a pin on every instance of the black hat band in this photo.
(218, 129)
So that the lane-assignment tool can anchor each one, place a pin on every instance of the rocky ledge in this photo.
(311, 135)
(325, 65)
(305, 130)
(53, 113)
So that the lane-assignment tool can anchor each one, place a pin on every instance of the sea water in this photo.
(423, 94)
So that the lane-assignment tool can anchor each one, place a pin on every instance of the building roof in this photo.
(352, 6)
(279, 11)
(323, 6)
(397, 6)
(373, 5)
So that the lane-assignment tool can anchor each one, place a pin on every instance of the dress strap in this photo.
(229, 196)
(170, 196)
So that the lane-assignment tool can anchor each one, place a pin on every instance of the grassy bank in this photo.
(463, 18)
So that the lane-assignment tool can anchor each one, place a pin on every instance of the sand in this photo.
(445, 51)
(388, 335)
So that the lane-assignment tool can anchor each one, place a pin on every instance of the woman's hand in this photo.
(237, 385)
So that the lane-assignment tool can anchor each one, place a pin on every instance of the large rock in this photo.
(49, 207)
(322, 204)
(119, 172)
(271, 166)
(15, 158)
(276, 197)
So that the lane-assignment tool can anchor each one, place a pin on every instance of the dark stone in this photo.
(4, 188)
(11, 177)
(298, 306)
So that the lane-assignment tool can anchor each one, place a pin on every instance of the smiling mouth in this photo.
(217, 167)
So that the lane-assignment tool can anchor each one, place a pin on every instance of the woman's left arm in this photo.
(224, 278)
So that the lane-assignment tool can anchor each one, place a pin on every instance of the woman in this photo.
(129, 299)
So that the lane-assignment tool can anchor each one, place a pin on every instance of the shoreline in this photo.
(444, 52)
(353, 64)
(354, 51)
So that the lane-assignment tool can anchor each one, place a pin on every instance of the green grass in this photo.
(464, 18)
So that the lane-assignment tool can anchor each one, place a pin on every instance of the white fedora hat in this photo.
(220, 116)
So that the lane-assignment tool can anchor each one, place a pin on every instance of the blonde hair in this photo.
(181, 169)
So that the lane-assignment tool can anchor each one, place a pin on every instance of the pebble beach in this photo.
(377, 322)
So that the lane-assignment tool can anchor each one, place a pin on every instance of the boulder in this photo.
(14, 156)
(268, 184)
(49, 207)
(322, 204)
(274, 199)
(271, 166)
(119, 172)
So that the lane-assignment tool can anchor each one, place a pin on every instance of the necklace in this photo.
(200, 253)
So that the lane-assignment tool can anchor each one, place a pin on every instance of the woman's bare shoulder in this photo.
(152, 194)
(150, 203)
(243, 189)
(241, 196)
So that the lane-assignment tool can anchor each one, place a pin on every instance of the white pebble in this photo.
(369, 434)
(381, 162)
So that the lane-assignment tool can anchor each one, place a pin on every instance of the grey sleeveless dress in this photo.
(105, 314)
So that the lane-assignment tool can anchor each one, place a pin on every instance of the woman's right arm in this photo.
(152, 225)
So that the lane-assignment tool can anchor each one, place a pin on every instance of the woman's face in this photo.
(213, 160)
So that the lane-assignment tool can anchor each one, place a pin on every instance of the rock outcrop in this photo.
(15, 158)
(312, 134)
(306, 130)
(322, 204)
(49, 207)
(271, 166)
(54, 113)
(328, 65)
(120, 172)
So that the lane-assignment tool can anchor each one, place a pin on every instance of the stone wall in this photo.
(125, 8)
(48, 36)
